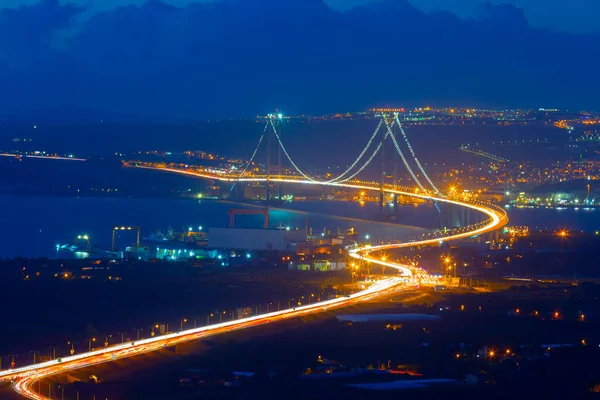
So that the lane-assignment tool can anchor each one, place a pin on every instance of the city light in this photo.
(563, 233)
(412, 275)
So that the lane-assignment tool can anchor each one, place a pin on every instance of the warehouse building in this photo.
(247, 239)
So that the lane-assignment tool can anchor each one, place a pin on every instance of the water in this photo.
(553, 219)
(309, 144)
(33, 226)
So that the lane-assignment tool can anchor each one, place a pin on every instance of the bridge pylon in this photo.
(274, 153)
(388, 162)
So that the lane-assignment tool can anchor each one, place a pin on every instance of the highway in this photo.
(497, 216)
(23, 378)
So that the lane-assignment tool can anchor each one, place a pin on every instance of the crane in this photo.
(125, 228)
(237, 211)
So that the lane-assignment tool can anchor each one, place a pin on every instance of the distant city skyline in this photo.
(580, 16)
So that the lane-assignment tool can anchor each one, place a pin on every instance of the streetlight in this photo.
(563, 233)
(181, 324)
(208, 318)
(53, 352)
(90, 343)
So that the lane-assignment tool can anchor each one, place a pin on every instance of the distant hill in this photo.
(73, 115)
(233, 58)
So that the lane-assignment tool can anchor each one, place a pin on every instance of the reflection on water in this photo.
(33, 226)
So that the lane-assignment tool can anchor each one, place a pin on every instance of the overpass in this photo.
(23, 378)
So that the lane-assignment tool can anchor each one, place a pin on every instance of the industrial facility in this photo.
(298, 249)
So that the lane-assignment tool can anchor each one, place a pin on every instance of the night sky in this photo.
(578, 16)
(241, 58)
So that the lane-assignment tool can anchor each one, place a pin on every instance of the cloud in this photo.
(243, 57)
(27, 32)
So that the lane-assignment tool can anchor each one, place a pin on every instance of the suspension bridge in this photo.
(389, 128)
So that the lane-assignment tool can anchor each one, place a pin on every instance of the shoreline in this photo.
(224, 201)
(58, 235)
(390, 224)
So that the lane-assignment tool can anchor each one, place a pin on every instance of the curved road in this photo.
(23, 378)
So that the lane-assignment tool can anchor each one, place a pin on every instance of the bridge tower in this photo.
(382, 175)
(389, 162)
(274, 153)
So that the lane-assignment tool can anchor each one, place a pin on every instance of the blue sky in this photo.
(567, 15)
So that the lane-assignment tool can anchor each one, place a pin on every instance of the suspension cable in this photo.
(369, 160)
(360, 156)
(287, 155)
(399, 150)
(412, 152)
(251, 158)
(255, 151)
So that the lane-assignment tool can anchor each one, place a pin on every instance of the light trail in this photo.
(483, 154)
(57, 158)
(42, 157)
(496, 215)
(23, 378)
